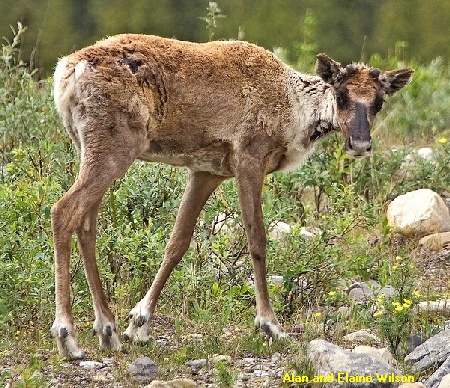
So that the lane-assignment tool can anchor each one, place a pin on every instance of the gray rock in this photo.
(91, 364)
(197, 364)
(434, 351)
(362, 336)
(436, 305)
(177, 383)
(332, 360)
(381, 354)
(388, 291)
(360, 292)
(221, 358)
(143, 370)
(413, 341)
(435, 379)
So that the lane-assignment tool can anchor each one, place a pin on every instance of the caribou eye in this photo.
(342, 98)
(378, 104)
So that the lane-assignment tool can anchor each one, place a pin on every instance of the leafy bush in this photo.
(421, 111)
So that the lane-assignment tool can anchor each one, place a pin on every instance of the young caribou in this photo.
(221, 109)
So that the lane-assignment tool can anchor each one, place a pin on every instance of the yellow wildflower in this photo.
(397, 306)
(318, 314)
(443, 140)
(416, 293)
(377, 313)
(332, 293)
(381, 298)
(407, 303)
(394, 267)
(398, 258)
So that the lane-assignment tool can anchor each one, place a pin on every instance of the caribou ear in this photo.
(327, 68)
(392, 81)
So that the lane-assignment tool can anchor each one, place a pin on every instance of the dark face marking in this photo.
(378, 104)
(358, 141)
(342, 98)
(358, 101)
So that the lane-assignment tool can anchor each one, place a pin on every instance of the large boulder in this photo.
(345, 368)
(440, 379)
(432, 352)
(418, 213)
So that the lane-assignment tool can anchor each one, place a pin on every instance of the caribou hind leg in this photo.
(101, 163)
(199, 187)
(104, 324)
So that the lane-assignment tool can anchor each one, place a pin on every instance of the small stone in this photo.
(161, 342)
(276, 279)
(197, 364)
(177, 383)
(143, 370)
(360, 292)
(279, 230)
(276, 356)
(91, 364)
(362, 336)
(436, 305)
(388, 291)
(260, 372)
(435, 241)
(413, 341)
(194, 336)
(99, 378)
(221, 358)
(310, 233)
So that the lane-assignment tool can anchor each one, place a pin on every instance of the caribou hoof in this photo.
(271, 327)
(107, 334)
(67, 341)
(139, 328)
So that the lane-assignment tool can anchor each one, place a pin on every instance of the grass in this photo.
(210, 293)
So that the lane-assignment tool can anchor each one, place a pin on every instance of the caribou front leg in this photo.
(250, 178)
(199, 187)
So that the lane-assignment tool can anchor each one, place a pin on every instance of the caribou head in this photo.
(359, 92)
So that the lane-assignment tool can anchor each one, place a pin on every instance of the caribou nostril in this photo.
(350, 142)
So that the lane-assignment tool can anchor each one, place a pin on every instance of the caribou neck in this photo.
(326, 119)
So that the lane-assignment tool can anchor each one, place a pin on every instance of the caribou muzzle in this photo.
(359, 142)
